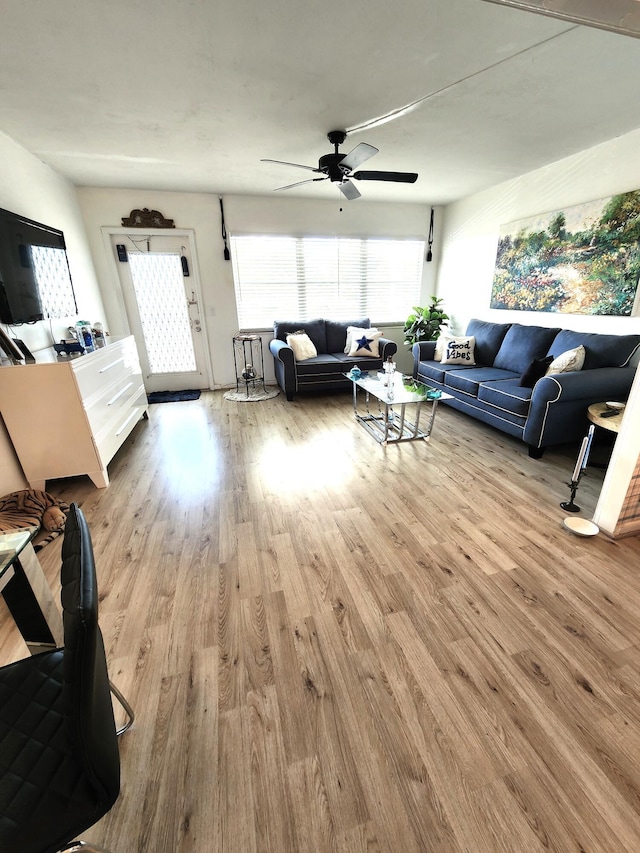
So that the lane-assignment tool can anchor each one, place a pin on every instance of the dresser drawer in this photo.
(113, 434)
(102, 368)
(117, 397)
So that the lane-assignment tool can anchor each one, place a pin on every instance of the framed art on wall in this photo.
(584, 259)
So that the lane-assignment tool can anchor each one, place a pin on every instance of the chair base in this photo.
(127, 707)
(75, 846)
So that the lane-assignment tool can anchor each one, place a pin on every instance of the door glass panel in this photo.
(164, 315)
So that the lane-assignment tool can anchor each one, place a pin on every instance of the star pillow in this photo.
(364, 342)
(358, 331)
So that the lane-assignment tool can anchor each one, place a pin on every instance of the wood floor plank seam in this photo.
(336, 647)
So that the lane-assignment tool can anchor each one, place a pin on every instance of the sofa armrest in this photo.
(559, 403)
(592, 386)
(284, 366)
(423, 351)
(281, 350)
(387, 348)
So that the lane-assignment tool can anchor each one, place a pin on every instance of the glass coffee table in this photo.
(389, 424)
(24, 587)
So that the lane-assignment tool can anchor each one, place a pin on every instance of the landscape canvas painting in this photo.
(584, 259)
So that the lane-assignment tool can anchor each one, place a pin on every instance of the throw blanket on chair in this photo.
(33, 508)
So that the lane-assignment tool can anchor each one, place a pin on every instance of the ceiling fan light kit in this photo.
(339, 168)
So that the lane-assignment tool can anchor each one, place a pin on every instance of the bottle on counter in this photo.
(99, 336)
(85, 335)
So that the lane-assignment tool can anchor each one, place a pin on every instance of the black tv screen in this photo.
(35, 281)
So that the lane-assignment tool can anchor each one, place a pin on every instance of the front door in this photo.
(162, 298)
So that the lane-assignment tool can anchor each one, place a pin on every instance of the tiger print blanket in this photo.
(33, 508)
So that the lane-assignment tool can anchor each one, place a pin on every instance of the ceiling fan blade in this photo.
(297, 165)
(399, 177)
(299, 183)
(349, 190)
(357, 156)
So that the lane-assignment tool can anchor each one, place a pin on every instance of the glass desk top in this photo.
(12, 543)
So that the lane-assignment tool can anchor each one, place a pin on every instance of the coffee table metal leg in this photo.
(434, 406)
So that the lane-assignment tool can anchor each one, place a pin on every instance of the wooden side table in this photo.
(595, 412)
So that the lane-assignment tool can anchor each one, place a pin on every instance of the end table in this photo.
(248, 360)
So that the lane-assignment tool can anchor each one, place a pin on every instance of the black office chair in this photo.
(59, 759)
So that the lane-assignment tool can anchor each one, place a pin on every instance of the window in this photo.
(304, 277)
(51, 271)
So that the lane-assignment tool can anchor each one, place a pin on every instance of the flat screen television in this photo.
(35, 281)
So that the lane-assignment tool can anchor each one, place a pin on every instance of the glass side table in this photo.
(26, 592)
(248, 361)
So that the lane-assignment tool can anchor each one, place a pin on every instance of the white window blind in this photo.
(299, 278)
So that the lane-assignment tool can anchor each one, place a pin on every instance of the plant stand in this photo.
(248, 360)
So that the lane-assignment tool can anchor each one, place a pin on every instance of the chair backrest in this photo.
(87, 699)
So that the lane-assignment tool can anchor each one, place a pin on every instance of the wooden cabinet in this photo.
(69, 416)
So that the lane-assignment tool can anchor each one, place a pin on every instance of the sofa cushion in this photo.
(302, 346)
(314, 328)
(469, 381)
(322, 363)
(358, 331)
(566, 362)
(440, 344)
(522, 344)
(600, 350)
(336, 332)
(507, 394)
(489, 337)
(365, 342)
(436, 371)
(535, 370)
(459, 350)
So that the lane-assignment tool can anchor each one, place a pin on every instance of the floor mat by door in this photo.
(172, 396)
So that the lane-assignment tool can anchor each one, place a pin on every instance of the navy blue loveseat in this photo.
(554, 410)
(325, 371)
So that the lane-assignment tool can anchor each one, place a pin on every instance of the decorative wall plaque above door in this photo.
(146, 218)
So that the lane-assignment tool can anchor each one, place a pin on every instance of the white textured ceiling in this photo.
(188, 95)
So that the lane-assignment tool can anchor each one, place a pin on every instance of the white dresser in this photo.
(69, 416)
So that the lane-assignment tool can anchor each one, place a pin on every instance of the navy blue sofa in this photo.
(554, 410)
(325, 371)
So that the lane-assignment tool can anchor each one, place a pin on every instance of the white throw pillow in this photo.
(572, 359)
(440, 345)
(365, 342)
(351, 330)
(302, 346)
(459, 350)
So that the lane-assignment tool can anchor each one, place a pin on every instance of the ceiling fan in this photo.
(338, 168)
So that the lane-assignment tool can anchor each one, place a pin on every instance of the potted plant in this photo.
(423, 324)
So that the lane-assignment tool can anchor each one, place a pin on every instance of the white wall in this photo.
(201, 213)
(30, 188)
(471, 229)
(465, 274)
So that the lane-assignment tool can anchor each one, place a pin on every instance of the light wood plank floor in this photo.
(332, 646)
